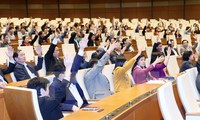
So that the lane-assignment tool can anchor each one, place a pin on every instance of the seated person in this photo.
(43, 35)
(127, 43)
(27, 42)
(140, 73)
(159, 69)
(117, 52)
(170, 44)
(186, 47)
(5, 41)
(24, 71)
(75, 98)
(187, 58)
(52, 56)
(10, 69)
(49, 106)
(121, 79)
(96, 83)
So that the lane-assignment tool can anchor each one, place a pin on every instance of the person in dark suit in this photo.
(24, 71)
(75, 98)
(170, 44)
(7, 70)
(49, 106)
(187, 58)
(52, 56)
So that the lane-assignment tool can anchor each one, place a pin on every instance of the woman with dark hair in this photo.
(156, 51)
(158, 71)
(187, 58)
(27, 41)
(140, 72)
(121, 79)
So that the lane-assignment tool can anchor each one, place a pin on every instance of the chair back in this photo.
(22, 103)
(186, 94)
(192, 75)
(167, 103)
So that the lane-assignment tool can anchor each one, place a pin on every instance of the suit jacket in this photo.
(7, 70)
(21, 73)
(50, 106)
(70, 100)
(186, 65)
(172, 52)
(51, 61)
(96, 83)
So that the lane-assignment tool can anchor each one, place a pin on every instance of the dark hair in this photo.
(58, 69)
(171, 40)
(24, 37)
(186, 55)
(155, 53)
(38, 83)
(16, 54)
(124, 40)
(137, 59)
(155, 45)
(120, 61)
(184, 41)
(92, 62)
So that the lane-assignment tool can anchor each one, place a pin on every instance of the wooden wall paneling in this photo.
(67, 13)
(36, 13)
(160, 12)
(21, 13)
(110, 12)
(175, 12)
(129, 13)
(50, 13)
(98, 12)
(5, 13)
(98, 1)
(143, 12)
(191, 11)
(81, 13)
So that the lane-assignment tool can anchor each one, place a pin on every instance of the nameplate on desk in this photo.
(95, 109)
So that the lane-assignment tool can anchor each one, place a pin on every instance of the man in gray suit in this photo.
(96, 83)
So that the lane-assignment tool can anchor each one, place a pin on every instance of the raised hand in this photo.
(38, 50)
(169, 51)
(196, 56)
(113, 46)
(83, 43)
(10, 52)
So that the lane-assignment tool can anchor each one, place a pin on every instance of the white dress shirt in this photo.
(76, 95)
(32, 75)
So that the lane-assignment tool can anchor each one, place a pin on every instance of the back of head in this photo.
(92, 62)
(58, 69)
(186, 55)
(37, 83)
(120, 61)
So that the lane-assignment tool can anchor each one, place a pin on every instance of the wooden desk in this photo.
(114, 102)
(137, 103)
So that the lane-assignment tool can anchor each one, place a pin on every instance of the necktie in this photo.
(32, 75)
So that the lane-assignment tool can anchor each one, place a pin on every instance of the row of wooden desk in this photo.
(137, 103)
